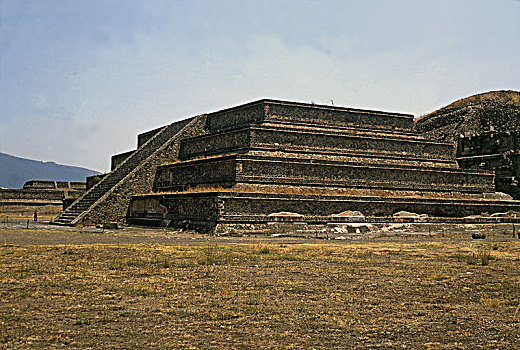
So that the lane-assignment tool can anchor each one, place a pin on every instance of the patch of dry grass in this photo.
(19, 213)
(399, 294)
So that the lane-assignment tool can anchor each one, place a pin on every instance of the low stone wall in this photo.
(53, 185)
(228, 170)
(119, 158)
(28, 194)
(213, 208)
(37, 195)
(311, 141)
(309, 113)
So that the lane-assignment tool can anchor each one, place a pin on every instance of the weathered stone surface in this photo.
(486, 135)
(293, 112)
(234, 207)
(446, 125)
(228, 171)
(107, 201)
(113, 206)
(269, 156)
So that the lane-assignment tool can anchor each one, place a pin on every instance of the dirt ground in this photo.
(165, 289)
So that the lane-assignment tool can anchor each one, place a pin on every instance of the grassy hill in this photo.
(499, 110)
(505, 96)
(14, 171)
(501, 96)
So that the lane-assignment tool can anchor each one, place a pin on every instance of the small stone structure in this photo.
(42, 192)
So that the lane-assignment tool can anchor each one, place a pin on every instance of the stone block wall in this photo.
(228, 170)
(178, 176)
(208, 145)
(327, 115)
(236, 206)
(235, 117)
(42, 192)
(305, 113)
(33, 194)
(368, 176)
(488, 143)
(346, 142)
(117, 159)
(258, 137)
(210, 209)
(494, 151)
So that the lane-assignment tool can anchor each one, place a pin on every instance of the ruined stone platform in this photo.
(203, 210)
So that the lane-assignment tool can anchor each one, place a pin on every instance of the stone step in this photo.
(75, 211)
(234, 169)
(306, 127)
(309, 141)
(115, 177)
(243, 207)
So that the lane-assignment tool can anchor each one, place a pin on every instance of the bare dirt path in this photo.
(41, 233)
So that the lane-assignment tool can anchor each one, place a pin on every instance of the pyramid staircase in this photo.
(73, 214)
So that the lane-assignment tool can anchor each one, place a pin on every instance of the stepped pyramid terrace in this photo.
(243, 165)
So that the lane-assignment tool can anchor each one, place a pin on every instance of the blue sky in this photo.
(80, 79)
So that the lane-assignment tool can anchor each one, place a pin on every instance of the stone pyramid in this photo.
(269, 156)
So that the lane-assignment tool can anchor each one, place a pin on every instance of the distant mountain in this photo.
(14, 171)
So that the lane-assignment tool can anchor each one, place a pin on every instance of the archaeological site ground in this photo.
(165, 289)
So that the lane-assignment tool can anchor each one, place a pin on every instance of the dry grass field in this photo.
(405, 293)
(21, 213)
